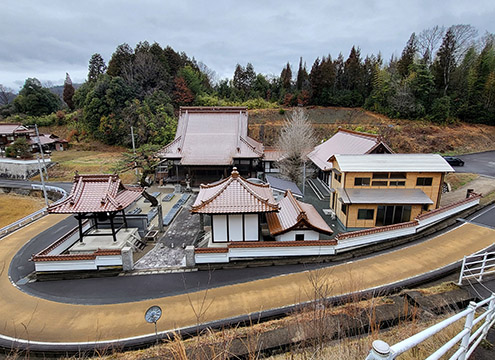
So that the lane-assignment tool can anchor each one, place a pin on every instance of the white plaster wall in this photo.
(235, 228)
(219, 227)
(251, 227)
(291, 235)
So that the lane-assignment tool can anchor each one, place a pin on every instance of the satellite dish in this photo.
(153, 314)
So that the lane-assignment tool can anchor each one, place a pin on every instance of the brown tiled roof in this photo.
(293, 215)
(96, 193)
(212, 136)
(272, 154)
(211, 250)
(352, 234)
(258, 244)
(234, 195)
(344, 142)
(447, 207)
(73, 257)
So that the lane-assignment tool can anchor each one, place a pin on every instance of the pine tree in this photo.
(68, 92)
(445, 64)
(302, 75)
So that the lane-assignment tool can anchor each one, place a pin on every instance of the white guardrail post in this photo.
(467, 326)
(380, 351)
(462, 271)
(490, 317)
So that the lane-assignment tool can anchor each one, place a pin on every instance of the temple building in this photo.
(209, 141)
(345, 142)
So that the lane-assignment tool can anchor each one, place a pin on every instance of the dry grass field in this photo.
(14, 207)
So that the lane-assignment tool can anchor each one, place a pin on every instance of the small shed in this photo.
(237, 208)
(296, 221)
(280, 187)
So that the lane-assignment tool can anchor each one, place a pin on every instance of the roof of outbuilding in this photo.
(393, 163)
(212, 136)
(11, 128)
(283, 185)
(294, 214)
(384, 196)
(234, 195)
(97, 193)
(344, 142)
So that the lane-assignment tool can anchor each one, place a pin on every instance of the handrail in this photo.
(35, 215)
(486, 267)
(468, 340)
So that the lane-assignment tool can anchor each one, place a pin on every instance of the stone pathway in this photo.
(169, 252)
(483, 185)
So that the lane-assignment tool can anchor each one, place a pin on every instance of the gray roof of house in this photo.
(384, 196)
(393, 163)
(283, 185)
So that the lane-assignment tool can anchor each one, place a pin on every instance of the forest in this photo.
(443, 75)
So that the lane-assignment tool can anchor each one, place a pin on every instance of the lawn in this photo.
(24, 205)
(86, 162)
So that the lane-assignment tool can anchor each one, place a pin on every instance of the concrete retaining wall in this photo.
(19, 169)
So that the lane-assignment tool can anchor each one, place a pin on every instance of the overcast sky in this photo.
(46, 39)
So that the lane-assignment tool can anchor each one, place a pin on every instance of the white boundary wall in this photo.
(361, 238)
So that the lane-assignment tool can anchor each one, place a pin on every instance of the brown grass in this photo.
(457, 180)
(14, 207)
(403, 136)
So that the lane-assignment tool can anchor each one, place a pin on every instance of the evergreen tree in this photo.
(286, 77)
(68, 91)
(302, 75)
(445, 64)
(96, 67)
(121, 61)
(407, 58)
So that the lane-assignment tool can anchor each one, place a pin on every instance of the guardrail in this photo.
(469, 337)
(34, 216)
(477, 265)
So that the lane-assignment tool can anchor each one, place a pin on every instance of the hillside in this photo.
(404, 136)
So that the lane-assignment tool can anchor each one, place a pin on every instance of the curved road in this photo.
(51, 323)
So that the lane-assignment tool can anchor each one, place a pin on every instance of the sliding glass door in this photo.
(392, 214)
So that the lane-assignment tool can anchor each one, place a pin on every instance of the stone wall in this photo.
(19, 169)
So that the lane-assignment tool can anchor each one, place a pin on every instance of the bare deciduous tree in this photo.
(429, 41)
(464, 36)
(296, 140)
(5, 95)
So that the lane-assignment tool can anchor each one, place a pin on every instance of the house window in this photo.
(299, 237)
(337, 177)
(397, 183)
(344, 209)
(366, 214)
(424, 181)
(379, 183)
(361, 181)
(398, 175)
(426, 207)
(380, 175)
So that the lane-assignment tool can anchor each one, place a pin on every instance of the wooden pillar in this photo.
(113, 228)
(125, 219)
(79, 220)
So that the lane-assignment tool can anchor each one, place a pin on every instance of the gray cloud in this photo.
(47, 39)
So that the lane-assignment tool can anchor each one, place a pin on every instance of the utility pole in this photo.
(134, 149)
(42, 180)
(304, 178)
(41, 150)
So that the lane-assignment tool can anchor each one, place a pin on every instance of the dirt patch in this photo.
(457, 180)
(14, 207)
(403, 136)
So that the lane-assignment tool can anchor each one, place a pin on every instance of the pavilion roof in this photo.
(234, 195)
(97, 193)
(294, 215)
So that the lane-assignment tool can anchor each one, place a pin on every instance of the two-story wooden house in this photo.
(384, 189)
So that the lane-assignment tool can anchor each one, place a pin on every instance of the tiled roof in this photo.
(73, 257)
(234, 195)
(353, 234)
(212, 136)
(442, 209)
(294, 214)
(97, 193)
(11, 128)
(46, 139)
(270, 244)
(344, 142)
(272, 154)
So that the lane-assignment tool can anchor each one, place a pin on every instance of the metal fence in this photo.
(477, 265)
(34, 216)
(474, 331)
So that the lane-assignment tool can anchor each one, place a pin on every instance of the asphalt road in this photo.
(478, 163)
(122, 289)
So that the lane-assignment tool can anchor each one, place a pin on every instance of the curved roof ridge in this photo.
(251, 146)
(252, 192)
(224, 184)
